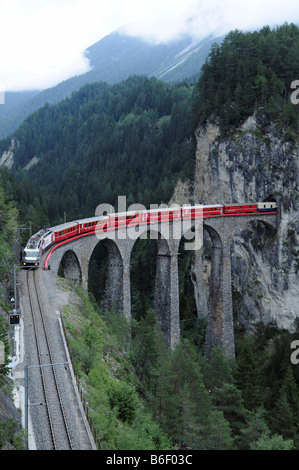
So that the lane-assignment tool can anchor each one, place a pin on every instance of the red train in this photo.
(45, 238)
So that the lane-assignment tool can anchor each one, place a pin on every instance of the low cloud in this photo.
(43, 43)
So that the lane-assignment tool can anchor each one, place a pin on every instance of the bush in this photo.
(123, 397)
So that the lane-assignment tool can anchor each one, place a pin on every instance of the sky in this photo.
(42, 42)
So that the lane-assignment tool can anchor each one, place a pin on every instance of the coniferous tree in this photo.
(221, 384)
(255, 428)
(249, 380)
(282, 418)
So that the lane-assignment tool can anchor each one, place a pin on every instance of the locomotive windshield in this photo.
(31, 254)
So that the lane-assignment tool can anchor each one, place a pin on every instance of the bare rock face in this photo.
(7, 158)
(254, 164)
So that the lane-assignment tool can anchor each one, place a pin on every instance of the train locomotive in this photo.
(32, 252)
(45, 238)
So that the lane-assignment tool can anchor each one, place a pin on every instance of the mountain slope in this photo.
(247, 150)
(106, 140)
(113, 59)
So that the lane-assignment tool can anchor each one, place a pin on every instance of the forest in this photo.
(131, 139)
(251, 72)
(161, 399)
(135, 138)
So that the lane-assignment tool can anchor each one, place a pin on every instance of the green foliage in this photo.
(123, 398)
(4, 339)
(132, 139)
(255, 428)
(9, 434)
(8, 223)
(251, 72)
(275, 442)
(8, 237)
(119, 414)
(143, 395)
(248, 375)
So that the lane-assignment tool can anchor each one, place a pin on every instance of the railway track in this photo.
(58, 428)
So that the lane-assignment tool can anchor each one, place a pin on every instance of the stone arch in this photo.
(214, 333)
(70, 268)
(218, 305)
(166, 285)
(113, 296)
(267, 223)
(190, 281)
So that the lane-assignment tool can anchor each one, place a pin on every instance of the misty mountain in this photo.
(113, 59)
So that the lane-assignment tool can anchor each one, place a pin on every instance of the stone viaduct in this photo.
(74, 258)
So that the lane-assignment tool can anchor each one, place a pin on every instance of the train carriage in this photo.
(267, 206)
(165, 214)
(121, 219)
(65, 231)
(93, 224)
(193, 212)
(239, 209)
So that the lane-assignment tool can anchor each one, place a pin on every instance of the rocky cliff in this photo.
(255, 163)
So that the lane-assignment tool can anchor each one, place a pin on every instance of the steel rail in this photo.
(50, 355)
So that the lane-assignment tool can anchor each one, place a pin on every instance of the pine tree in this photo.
(282, 418)
(219, 434)
(290, 388)
(275, 442)
(255, 428)
(226, 397)
(249, 379)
